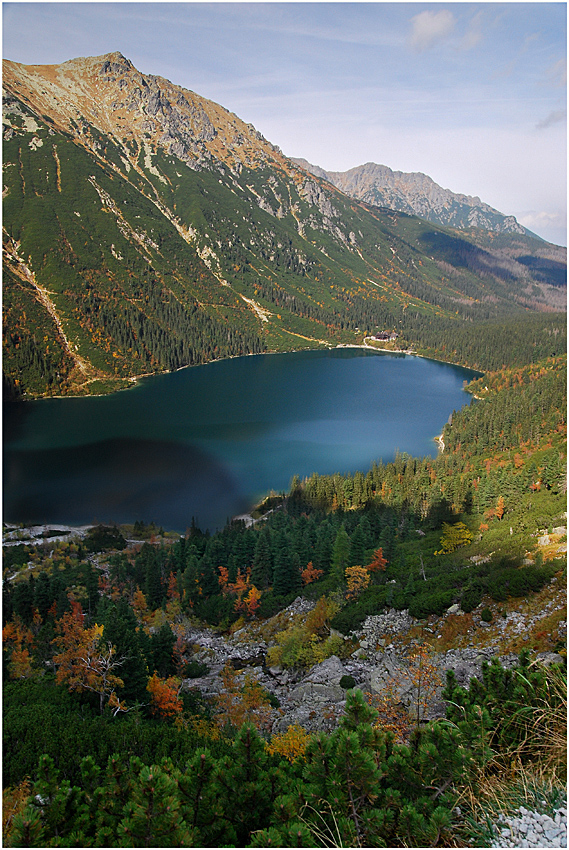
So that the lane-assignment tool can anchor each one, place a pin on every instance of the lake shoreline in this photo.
(135, 380)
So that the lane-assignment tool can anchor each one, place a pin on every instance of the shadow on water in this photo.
(119, 480)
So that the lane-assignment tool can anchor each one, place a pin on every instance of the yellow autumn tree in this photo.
(140, 607)
(454, 536)
(310, 641)
(357, 579)
(291, 744)
(238, 703)
(252, 601)
(500, 507)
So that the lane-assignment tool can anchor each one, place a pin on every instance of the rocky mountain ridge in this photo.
(107, 92)
(417, 194)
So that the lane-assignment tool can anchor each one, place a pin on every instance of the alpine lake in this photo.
(208, 442)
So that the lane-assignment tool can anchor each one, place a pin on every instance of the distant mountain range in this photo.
(147, 228)
(417, 194)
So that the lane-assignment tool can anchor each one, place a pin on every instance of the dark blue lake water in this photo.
(209, 441)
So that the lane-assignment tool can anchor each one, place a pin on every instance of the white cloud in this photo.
(549, 225)
(533, 219)
(430, 28)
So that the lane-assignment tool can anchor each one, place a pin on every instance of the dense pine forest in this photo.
(104, 745)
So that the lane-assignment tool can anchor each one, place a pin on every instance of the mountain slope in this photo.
(146, 228)
(418, 194)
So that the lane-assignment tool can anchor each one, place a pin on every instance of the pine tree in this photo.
(248, 785)
(262, 571)
(201, 802)
(152, 815)
(340, 554)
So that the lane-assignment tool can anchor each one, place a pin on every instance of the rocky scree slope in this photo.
(378, 656)
(146, 228)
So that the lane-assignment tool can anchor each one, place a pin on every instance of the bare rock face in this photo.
(318, 701)
(385, 663)
(322, 684)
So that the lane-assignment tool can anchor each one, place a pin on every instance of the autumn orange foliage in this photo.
(310, 573)
(424, 679)
(251, 602)
(85, 661)
(172, 592)
(140, 606)
(378, 563)
(165, 699)
(20, 640)
(247, 596)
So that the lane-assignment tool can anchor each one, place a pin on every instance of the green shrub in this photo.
(518, 581)
(347, 682)
(194, 669)
(433, 603)
(471, 599)
(350, 618)
(486, 615)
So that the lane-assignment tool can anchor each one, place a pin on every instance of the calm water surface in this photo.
(207, 442)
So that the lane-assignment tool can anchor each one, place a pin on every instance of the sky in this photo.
(472, 94)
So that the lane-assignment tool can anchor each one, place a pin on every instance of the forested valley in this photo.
(147, 229)
(106, 742)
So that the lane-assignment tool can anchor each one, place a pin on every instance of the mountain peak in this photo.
(417, 194)
(109, 94)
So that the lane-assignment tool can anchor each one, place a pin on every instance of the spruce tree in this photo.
(262, 571)
(340, 554)
(121, 630)
(286, 576)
